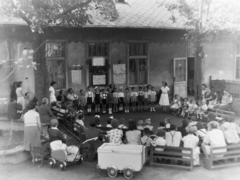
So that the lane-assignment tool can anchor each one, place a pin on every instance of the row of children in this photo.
(185, 107)
(116, 100)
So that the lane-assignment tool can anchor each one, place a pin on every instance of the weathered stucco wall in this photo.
(219, 61)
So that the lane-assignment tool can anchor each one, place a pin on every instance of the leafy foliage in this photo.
(64, 13)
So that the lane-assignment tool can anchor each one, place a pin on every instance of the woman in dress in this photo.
(32, 128)
(52, 98)
(115, 135)
(20, 95)
(164, 100)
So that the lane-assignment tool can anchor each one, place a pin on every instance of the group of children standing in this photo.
(118, 100)
(185, 107)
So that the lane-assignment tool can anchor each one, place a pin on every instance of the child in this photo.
(82, 100)
(121, 124)
(127, 100)
(162, 125)
(202, 109)
(140, 125)
(159, 141)
(115, 100)
(174, 107)
(134, 95)
(140, 99)
(192, 107)
(110, 100)
(168, 123)
(109, 122)
(148, 124)
(120, 99)
(146, 140)
(180, 106)
(184, 107)
(89, 96)
(104, 98)
(79, 121)
(146, 102)
(97, 121)
(97, 100)
(152, 99)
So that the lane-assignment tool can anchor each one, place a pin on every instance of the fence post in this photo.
(151, 156)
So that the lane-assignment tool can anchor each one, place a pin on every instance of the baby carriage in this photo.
(62, 157)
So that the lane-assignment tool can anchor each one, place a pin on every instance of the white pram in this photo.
(121, 158)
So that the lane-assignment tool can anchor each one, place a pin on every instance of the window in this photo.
(55, 59)
(98, 55)
(138, 63)
(238, 61)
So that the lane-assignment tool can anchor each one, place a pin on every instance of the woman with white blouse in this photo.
(20, 95)
(52, 95)
(164, 99)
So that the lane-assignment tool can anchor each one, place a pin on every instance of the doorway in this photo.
(190, 77)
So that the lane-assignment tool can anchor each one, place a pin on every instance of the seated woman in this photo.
(226, 101)
(72, 97)
(115, 135)
(58, 141)
(133, 135)
(208, 96)
(45, 115)
(14, 110)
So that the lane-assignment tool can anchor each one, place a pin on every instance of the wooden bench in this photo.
(173, 156)
(222, 113)
(229, 158)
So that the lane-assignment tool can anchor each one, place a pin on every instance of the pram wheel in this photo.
(128, 173)
(112, 171)
(62, 166)
(51, 163)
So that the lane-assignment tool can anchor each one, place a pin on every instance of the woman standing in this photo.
(164, 100)
(13, 94)
(20, 95)
(52, 92)
(32, 128)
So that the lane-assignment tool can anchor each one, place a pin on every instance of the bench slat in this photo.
(237, 152)
(172, 165)
(225, 157)
(173, 158)
(174, 148)
(171, 153)
(227, 147)
(225, 165)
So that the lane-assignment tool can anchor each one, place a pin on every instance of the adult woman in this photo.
(208, 96)
(71, 97)
(32, 128)
(226, 100)
(133, 135)
(20, 95)
(52, 96)
(115, 135)
(45, 115)
(58, 141)
(164, 100)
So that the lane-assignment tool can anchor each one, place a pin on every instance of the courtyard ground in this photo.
(88, 170)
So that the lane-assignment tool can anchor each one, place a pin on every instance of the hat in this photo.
(111, 117)
(97, 116)
(148, 121)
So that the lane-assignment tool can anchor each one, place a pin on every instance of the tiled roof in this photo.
(133, 14)
(139, 14)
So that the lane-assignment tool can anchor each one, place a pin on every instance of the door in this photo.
(180, 76)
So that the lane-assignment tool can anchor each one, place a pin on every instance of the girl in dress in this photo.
(164, 100)
(20, 95)
(120, 99)
(146, 102)
(174, 107)
(110, 100)
(127, 100)
(89, 97)
(185, 105)
(115, 100)
(140, 99)
(153, 99)
(202, 109)
(97, 100)
(82, 100)
(134, 95)
(52, 98)
(104, 97)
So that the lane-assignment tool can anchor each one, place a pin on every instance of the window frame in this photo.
(59, 58)
(236, 57)
(137, 66)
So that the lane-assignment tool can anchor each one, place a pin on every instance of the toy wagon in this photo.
(121, 158)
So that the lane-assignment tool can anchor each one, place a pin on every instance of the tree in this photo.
(40, 14)
(207, 19)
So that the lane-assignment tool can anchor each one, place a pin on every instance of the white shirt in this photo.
(18, 90)
(173, 138)
(32, 118)
(190, 141)
(215, 138)
(160, 141)
(201, 133)
(120, 94)
(52, 94)
(149, 127)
